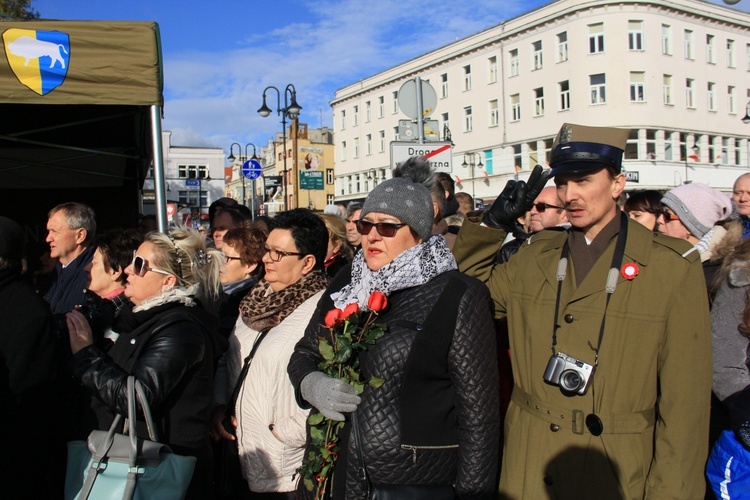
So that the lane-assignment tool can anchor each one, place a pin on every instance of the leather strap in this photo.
(614, 423)
(230, 410)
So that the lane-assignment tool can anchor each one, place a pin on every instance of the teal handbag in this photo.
(111, 466)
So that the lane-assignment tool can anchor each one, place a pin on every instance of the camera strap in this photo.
(611, 284)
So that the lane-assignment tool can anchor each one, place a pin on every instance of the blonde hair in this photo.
(183, 253)
(337, 233)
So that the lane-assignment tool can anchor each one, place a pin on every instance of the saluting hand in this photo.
(515, 200)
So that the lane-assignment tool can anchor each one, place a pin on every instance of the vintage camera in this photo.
(570, 374)
(99, 312)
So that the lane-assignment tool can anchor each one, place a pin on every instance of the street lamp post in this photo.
(291, 109)
(471, 163)
(746, 118)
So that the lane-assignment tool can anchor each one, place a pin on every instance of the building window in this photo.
(343, 150)
(514, 62)
(637, 87)
(444, 85)
(446, 122)
(562, 46)
(666, 39)
(356, 147)
(539, 101)
(710, 55)
(382, 141)
(537, 62)
(731, 100)
(598, 88)
(494, 113)
(517, 158)
(343, 119)
(381, 106)
(468, 122)
(355, 116)
(467, 77)
(564, 95)
(395, 133)
(368, 112)
(488, 161)
(330, 199)
(515, 106)
(395, 102)
(667, 89)
(747, 57)
(329, 176)
(690, 93)
(635, 35)
(596, 38)
(730, 54)
(492, 69)
(368, 144)
(689, 46)
(711, 96)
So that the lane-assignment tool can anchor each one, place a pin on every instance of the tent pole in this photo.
(159, 174)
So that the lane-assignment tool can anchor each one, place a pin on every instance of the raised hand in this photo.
(515, 200)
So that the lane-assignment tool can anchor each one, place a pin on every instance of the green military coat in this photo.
(652, 385)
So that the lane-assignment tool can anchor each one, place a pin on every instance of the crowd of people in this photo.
(557, 344)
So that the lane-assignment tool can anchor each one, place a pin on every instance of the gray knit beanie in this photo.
(408, 201)
(698, 206)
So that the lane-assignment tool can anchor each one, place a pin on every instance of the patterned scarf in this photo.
(262, 308)
(413, 267)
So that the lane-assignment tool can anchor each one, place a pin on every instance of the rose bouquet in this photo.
(350, 332)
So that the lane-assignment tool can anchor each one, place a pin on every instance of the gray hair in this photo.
(78, 216)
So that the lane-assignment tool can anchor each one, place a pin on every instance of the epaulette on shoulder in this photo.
(681, 247)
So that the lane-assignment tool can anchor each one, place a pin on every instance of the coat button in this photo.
(568, 318)
(548, 480)
(554, 427)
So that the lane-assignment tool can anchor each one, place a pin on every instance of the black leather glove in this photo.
(742, 433)
(515, 200)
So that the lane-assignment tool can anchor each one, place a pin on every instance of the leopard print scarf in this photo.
(262, 308)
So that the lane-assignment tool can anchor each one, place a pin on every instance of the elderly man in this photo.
(353, 209)
(71, 228)
(741, 200)
(625, 318)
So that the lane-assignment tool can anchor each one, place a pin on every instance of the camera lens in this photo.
(570, 381)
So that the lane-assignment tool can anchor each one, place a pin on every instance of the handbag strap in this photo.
(230, 411)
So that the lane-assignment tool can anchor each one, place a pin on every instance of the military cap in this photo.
(578, 148)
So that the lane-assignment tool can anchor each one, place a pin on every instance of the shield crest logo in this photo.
(39, 59)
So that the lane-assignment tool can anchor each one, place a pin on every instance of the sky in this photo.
(219, 56)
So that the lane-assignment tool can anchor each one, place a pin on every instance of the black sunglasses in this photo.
(384, 229)
(140, 267)
(541, 207)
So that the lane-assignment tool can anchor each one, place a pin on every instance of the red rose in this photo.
(351, 309)
(334, 317)
(377, 301)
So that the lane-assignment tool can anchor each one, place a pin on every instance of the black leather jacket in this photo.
(172, 349)
(453, 439)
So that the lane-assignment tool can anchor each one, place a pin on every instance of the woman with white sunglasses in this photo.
(167, 341)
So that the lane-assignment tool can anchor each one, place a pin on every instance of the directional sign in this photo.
(251, 169)
(439, 154)
(192, 182)
(408, 102)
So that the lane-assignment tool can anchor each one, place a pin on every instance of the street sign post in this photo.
(439, 154)
(252, 169)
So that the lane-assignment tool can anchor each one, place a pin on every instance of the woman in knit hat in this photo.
(434, 422)
(691, 212)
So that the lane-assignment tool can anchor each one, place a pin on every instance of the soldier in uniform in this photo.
(610, 337)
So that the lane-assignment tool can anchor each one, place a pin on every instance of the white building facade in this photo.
(677, 73)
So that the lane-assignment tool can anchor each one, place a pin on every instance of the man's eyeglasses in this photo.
(228, 259)
(384, 229)
(669, 216)
(277, 255)
(541, 207)
(140, 267)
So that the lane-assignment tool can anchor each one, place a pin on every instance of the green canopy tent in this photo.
(80, 119)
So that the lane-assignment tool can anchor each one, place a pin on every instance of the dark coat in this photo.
(67, 290)
(172, 349)
(30, 392)
(453, 437)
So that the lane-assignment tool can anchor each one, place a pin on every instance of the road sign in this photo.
(252, 169)
(439, 154)
(311, 179)
(192, 182)
(408, 102)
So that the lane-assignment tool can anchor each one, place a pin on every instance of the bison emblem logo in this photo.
(39, 59)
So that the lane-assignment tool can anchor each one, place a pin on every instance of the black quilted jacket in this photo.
(435, 420)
